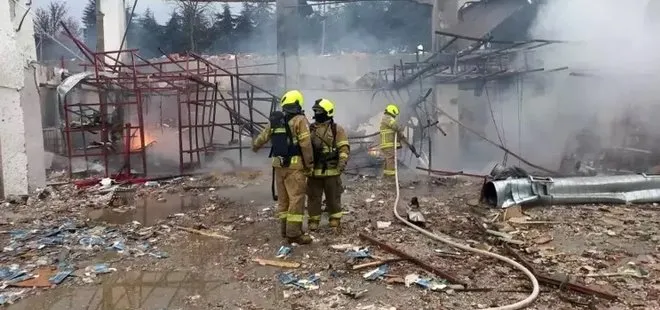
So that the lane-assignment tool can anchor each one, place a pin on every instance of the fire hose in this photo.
(446, 239)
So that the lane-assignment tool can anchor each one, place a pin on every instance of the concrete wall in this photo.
(21, 141)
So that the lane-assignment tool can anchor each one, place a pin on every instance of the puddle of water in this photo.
(149, 210)
(127, 290)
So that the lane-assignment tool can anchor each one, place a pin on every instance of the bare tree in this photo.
(48, 27)
(194, 18)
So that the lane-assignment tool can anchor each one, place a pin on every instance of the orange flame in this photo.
(136, 144)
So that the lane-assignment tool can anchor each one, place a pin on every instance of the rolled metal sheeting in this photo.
(637, 188)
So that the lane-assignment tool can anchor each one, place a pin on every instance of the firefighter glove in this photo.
(341, 166)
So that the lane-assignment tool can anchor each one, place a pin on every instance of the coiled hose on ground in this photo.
(445, 239)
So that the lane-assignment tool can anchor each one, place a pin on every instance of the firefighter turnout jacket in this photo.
(389, 126)
(331, 148)
(290, 140)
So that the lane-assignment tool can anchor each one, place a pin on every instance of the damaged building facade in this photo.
(21, 142)
(122, 114)
(146, 215)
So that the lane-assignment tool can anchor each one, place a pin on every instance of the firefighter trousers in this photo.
(291, 187)
(388, 165)
(332, 187)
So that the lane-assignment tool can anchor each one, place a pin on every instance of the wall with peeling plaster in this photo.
(21, 140)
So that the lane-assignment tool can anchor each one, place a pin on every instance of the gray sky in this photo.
(161, 8)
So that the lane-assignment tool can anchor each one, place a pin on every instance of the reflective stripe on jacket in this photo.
(388, 126)
(322, 140)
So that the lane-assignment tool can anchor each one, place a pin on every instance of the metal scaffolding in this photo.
(481, 61)
(204, 93)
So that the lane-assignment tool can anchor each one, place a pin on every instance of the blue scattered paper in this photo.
(90, 241)
(360, 253)
(60, 276)
(102, 268)
(284, 251)
(376, 273)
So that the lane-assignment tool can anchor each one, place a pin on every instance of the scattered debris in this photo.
(630, 269)
(309, 283)
(383, 224)
(276, 263)
(426, 283)
(376, 263)
(418, 262)
(284, 251)
(355, 294)
(359, 253)
(376, 273)
(343, 247)
(100, 269)
(543, 239)
(415, 216)
(559, 281)
(40, 279)
(203, 233)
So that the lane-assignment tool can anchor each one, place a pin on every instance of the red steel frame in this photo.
(193, 80)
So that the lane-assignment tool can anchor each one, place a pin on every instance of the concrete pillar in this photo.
(444, 15)
(446, 150)
(114, 24)
(21, 133)
(287, 20)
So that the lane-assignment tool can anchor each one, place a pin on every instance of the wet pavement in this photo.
(128, 290)
(149, 210)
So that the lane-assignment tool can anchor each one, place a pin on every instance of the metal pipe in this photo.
(623, 189)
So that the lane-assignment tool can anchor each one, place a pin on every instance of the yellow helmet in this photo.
(392, 109)
(292, 97)
(326, 106)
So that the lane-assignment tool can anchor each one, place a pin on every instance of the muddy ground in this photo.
(614, 249)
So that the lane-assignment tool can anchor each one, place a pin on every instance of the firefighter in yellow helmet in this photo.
(331, 151)
(389, 126)
(292, 156)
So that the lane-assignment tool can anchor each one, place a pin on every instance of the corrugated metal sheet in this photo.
(638, 188)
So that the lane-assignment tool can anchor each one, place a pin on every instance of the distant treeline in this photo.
(370, 26)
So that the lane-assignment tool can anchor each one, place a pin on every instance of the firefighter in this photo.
(331, 150)
(292, 156)
(389, 126)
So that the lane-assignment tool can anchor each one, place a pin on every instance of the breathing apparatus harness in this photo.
(319, 155)
(282, 145)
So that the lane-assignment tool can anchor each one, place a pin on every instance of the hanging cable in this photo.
(128, 26)
(497, 130)
(453, 119)
(521, 84)
(445, 239)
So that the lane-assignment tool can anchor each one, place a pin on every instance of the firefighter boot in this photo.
(313, 225)
(302, 239)
(335, 225)
(283, 228)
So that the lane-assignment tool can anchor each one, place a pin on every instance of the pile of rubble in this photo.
(595, 255)
(49, 238)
